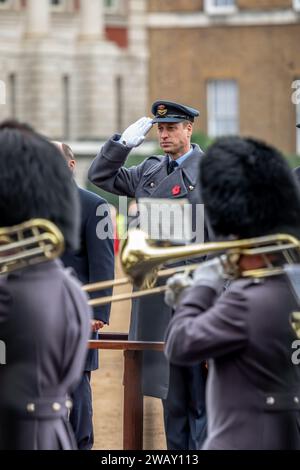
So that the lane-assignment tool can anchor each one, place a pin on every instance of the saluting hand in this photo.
(135, 134)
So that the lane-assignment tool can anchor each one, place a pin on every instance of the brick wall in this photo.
(264, 61)
(175, 5)
(264, 4)
(197, 5)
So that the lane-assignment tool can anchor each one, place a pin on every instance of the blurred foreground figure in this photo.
(93, 262)
(253, 389)
(43, 311)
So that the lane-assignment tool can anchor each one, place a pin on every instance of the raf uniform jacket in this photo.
(149, 179)
(149, 318)
(94, 261)
(253, 388)
(45, 324)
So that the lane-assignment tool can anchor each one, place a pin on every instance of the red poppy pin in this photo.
(176, 190)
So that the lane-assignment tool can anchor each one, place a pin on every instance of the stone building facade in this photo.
(81, 69)
(237, 61)
(74, 69)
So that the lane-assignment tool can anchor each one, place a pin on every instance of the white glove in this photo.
(135, 134)
(210, 274)
(175, 286)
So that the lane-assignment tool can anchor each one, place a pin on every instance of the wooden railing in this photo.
(133, 398)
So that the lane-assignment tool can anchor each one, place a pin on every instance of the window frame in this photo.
(212, 9)
(214, 116)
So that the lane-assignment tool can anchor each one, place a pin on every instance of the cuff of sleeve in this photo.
(114, 150)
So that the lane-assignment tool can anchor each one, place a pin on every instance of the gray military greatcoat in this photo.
(45, 327)
(253, 388)
(150, 316)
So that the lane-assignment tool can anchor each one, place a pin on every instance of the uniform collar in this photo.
(181, 159)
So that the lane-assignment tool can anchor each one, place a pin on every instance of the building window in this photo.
(296, 5)
(222, 107)
(220, 7)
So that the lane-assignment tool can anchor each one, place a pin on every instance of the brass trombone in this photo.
(141, 258)
(39, 240)
(28, 243)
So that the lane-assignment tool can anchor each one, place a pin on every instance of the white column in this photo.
(91, 19)
(38, 17)
(138, 35)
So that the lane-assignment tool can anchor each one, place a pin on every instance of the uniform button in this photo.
(296, 399)
(56, 406)
(270, 400)
(152, 185)
(30, 407)
(69, 404)
(191, 188)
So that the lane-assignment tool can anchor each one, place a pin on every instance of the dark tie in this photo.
(172, 165)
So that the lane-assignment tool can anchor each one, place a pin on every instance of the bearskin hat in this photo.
(248, 189)
(35, 182)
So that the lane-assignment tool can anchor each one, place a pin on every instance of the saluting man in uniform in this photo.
(173, 175)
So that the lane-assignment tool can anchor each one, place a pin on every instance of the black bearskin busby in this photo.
(35, 182)
(248, 189)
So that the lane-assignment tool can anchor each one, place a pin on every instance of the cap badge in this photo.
(162, 110)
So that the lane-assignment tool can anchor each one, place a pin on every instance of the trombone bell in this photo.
(31, 242)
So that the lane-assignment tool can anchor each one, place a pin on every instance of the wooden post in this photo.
(133, 401)
(133, 412)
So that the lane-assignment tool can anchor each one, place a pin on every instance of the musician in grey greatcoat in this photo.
(253, 390)
(44, 316)
(93, 262)
(173, 175)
